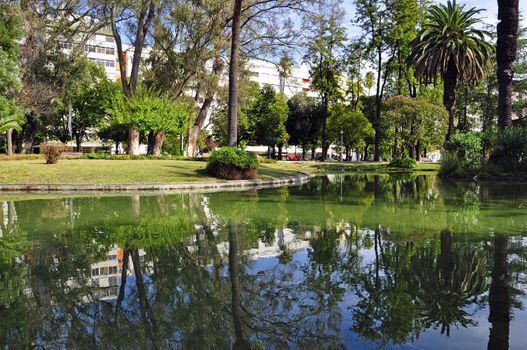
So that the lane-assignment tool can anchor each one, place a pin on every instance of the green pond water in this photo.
(342, 262)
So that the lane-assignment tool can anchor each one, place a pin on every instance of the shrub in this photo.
(467, 148)
(232, 164)
(52, 150)
(108, 156)
(21, 157)
(450, 165)
(510, 152)
(403, 163)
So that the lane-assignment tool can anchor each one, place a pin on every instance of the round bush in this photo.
(52, 150)
(403, 163)
(232, 164)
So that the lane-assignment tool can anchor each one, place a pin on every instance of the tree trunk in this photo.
(217, 69)
(313, 152)
(151, 142)
(234, 75)
(499, 299)
(324, 122)
(240, 343)
(418, 151)
(9, 141)
(449, 94)
(303, 152)
(507, 30)
(78, 142)
(378, 105)
(411, 151)
(117, 147)
(158, 142)
(280, 152)
(133, 141)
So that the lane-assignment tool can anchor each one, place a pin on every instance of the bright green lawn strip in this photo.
(87, 171)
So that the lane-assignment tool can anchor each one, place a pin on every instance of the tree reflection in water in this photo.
(341, 261)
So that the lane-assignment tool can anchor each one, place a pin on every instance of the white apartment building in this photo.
(102, 49)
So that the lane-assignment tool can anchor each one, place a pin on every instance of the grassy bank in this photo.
(91, 171)
(321, 168)
(87, 171)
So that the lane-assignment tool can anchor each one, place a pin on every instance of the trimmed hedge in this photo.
(231, 163)
(108, 156)
(21, 157)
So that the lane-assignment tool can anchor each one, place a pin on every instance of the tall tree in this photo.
(325, 58)
(449, 46)
(267, 118)
(11, 115)
(508, 17)
(374, 19)
(259, 27)
(234, 72)
(121, 13)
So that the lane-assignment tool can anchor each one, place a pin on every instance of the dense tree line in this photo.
(409, 54)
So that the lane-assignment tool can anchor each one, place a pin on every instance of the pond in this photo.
(358, 261)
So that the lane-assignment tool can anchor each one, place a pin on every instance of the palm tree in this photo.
(508, 14)
(8, 124)
(450, 47)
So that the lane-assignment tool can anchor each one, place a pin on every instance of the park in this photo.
(263, 174)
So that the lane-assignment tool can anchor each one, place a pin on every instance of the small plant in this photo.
(232, 164)
(467, 147)
(450, 165)
(403, 163)
(52, 150)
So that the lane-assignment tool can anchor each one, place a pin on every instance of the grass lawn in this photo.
(339, 167)
(90, 171)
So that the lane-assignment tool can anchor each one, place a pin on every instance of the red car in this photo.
(293, 157)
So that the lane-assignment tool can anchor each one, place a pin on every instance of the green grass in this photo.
(87, 171)
(94, 171)
(322, 168)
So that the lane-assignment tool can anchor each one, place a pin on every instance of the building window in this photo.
(306, 90)
(306, 80)
(95, 272)
(112, 281)
(106, 63)
(112, 270)
(89, 48)
(112, 257)
(109, 39)
(67, 46)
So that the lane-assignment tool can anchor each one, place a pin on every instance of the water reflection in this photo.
(342, 261)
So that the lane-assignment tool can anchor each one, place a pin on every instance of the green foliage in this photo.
(355, 127)
(403, 163)
(450, 34)
(510, 153)
(108, 156)
(267, 117)
(231, 156)
(52, 150)
(303, 122)
(324, 54)
(11, 114)
(450, 165)
(149, 111)
(466, 149)
(415, 120)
